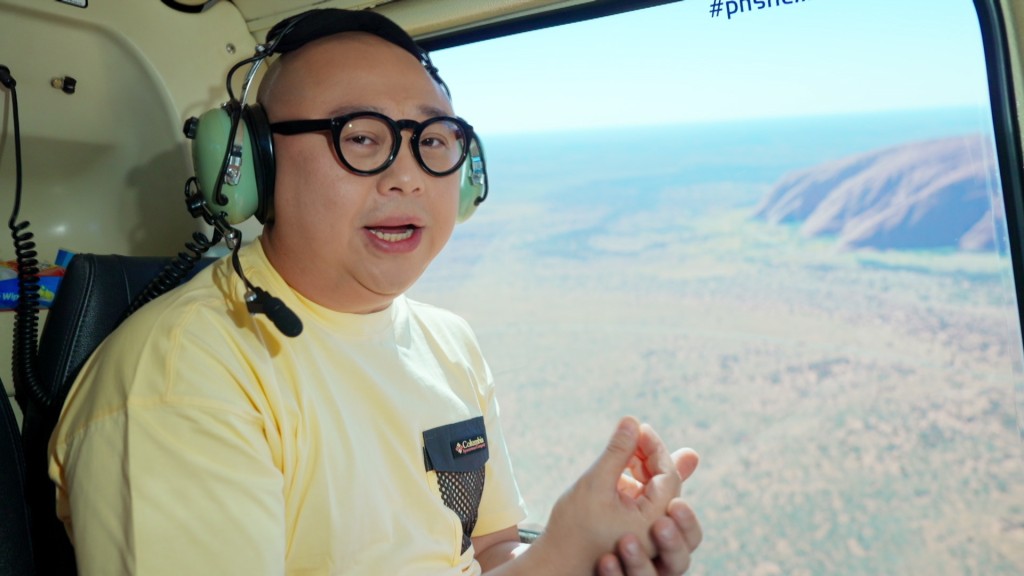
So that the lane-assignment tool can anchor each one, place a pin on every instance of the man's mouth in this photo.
(393, 233)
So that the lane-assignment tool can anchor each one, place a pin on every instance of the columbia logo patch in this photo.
(463, 447)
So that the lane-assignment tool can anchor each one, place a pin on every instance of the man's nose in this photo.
(405, 174)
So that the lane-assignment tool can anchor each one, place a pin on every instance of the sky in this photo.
(679, 63)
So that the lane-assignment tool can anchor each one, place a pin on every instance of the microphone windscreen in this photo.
(282, 316)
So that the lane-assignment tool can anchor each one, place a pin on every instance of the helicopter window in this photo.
(774, 230)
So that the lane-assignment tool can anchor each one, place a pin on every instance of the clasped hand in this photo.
(625, 511)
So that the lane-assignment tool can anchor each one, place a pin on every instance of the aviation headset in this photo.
(238, 184)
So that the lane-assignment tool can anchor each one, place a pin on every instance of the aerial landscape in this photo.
(839, 341)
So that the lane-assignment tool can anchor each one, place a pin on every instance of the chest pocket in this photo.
(458, 452)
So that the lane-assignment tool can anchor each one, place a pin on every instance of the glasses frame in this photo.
(336, 124)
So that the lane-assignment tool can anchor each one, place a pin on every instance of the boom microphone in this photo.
(259, 301)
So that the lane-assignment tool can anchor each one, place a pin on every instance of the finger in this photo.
(629, 486)
(608, 565)
(634, 559)
(609, 466)
(686, 460)
(653, 453)
(673, 552)
(687, 522)
(638, 468)
(658, 494)
(665, 482)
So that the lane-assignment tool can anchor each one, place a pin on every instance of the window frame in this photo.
(1006, 125)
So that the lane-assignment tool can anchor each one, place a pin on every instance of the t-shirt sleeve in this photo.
(151, 481)
(502, 504)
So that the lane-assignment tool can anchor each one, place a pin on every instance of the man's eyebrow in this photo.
(354, 108)
(431, 111)
(426, 110)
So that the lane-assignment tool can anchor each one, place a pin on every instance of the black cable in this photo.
(231, 73)
(26, 320)
(259, 301)
(177, 270)
(186, 8)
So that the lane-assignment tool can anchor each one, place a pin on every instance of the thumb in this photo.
(615, 458)
(685, 460)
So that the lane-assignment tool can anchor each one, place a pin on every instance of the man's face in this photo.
(348, 242)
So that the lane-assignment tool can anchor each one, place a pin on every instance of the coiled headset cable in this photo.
(257, 300)
(178, 269)
(26, 322)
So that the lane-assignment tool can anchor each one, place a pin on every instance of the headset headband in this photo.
(295, 32)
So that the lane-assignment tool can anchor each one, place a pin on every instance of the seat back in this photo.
(94, 297)
(15, 541)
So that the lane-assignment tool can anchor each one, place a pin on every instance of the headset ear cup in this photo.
(473, 180)
(261, 142)
(209, 145)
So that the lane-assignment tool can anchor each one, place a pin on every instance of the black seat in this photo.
(94, 297)
(15, 542)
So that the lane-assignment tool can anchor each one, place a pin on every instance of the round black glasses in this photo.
(368, 142)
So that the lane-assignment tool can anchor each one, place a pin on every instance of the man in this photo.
(199, 440)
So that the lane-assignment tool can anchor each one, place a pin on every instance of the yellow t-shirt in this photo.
(199, 440)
